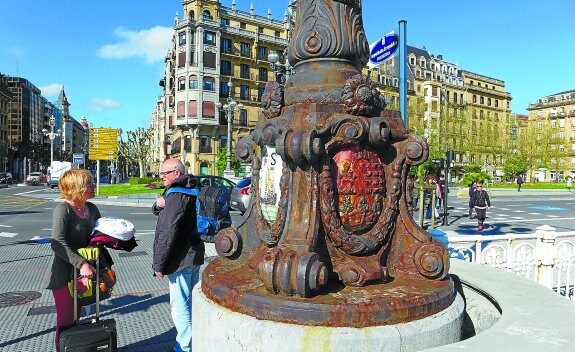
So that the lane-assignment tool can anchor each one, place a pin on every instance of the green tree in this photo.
(515, 165)
(221, 163)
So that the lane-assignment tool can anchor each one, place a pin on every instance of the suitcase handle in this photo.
(97, 288)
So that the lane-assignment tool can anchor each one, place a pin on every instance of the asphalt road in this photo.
(26, 213)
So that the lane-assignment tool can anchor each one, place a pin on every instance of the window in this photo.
(461, 99)
(263, 74)
(224, 21)
(245, 71)
(209, 38)
(193, 108)
(193, 82)
(261, 91)
(277, 34)
(242, 25)
(244, 92)
(481, 100)
(260, 30)
(181, 83)
(205, 144)
(474, 99)
(182, 59)
(224, 89)
(209, 83)
(245, 49)
(488, 101)
(206, 15)
(280, 55)
(561, 135)
(188, 144)
(223, 142)
(539, 125)
(208, 109)
(226, 68)
(182, 38)
(181, 109)
(496, 103)
(262, 53)
(562, 123)
(226, 45)
(209, 59)
(243, 118)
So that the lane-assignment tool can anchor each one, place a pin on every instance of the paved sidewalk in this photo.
(140, 302)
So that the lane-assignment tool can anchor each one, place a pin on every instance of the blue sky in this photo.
(109, 54)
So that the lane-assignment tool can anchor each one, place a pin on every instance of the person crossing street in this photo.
(480, 201)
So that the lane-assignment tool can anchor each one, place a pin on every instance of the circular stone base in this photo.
(234, 286)
(219, 329)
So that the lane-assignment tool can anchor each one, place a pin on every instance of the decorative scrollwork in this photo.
(272, 100)
(361, 97)
(431, 261)
(245, 149)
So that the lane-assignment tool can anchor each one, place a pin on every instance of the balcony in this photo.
(239, 32)
(272, 39)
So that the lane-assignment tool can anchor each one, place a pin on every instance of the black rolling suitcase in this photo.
(96, 335)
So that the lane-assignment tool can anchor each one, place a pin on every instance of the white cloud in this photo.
(51, 90)
(97, 104)
(152, 44)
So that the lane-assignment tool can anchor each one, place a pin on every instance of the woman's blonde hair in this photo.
(73, 183)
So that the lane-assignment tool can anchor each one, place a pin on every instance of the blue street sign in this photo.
(384, 49)
(78, 158)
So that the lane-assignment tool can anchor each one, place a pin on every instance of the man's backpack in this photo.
(212, 212)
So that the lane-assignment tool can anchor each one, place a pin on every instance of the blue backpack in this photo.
(212, 212)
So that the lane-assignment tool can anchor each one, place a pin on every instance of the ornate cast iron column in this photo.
(328, 238)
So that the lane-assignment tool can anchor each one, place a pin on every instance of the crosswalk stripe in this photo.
(5, 226)
(8, 234)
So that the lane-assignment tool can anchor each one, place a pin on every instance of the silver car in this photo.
(241, 195)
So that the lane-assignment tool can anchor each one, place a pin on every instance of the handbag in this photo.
(104, 280)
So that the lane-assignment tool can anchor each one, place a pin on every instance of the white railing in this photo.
(546, 257)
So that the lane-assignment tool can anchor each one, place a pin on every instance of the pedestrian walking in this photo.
(441, 193)
(519, 183)
(471, 191)
(569, 183)
(178, 250)
(481, 203)
(72, 224)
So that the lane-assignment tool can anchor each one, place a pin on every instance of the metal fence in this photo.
(546, 257)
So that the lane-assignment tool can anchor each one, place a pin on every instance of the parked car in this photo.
(241, 195)
(34, 179)
(224, 183)
(5, 178)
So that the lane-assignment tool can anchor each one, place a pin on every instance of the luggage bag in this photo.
(93, 336)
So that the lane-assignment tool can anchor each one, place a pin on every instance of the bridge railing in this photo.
(546, 256)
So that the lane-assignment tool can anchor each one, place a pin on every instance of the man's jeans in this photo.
(181, 285)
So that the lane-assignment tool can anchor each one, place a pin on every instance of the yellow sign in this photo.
(103, 144)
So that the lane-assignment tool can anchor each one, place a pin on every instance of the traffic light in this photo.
(450, 158)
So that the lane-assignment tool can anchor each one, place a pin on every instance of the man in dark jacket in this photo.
(178, 251)
(519, 183)
(480, 201)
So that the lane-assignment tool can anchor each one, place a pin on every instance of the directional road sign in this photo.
(103, 143)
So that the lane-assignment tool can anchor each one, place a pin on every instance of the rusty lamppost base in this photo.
(399, 301)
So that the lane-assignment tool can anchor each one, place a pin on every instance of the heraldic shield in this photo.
(360, 179)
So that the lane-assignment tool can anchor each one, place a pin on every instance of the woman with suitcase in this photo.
(72, 223)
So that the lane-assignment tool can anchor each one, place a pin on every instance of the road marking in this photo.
(5, 226)
(553, 216)
(516, 217)
(525, 220)
(534, 213)
(8, 234)
(23, 193)
(519, 211)
(503, 208)
(548, 208)
(46, 230)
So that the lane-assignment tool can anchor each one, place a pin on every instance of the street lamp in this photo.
(283, 71)
(229, 108)
(52, 135)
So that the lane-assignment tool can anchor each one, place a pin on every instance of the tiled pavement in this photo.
(140, 302)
